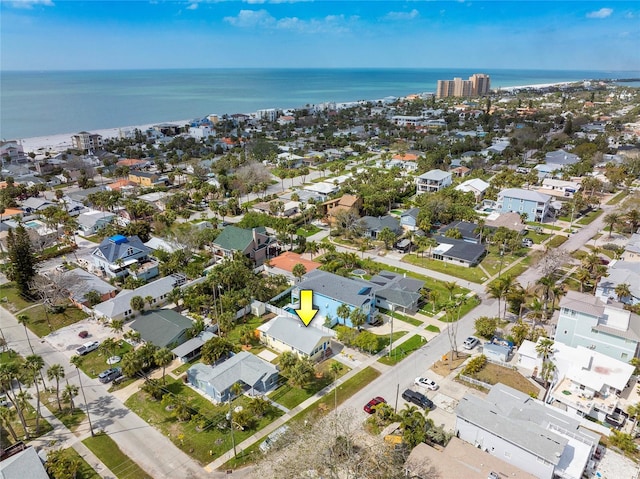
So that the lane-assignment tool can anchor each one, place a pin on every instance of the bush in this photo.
(486, 326)
(475, 365)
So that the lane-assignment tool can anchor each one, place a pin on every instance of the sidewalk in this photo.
(370, 361)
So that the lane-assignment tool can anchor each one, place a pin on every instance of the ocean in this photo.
(49, 103)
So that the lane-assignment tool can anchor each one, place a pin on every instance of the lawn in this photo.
(464, 309)
(618, 198)
(95, 362)
(493, 374)
(556, 241)
(383, 340)
(338, 396)
(590, 217)
(183, 369)
(433, 328)
(110, 454)
(37, 322)
(475, 274)
(30, 416)
(234, 334)
(546, 226)
(494, 263)
(204, 444)
(70, 418)
(307, 230)
(290, 396)
(85, 471)
(537, 238)
(403, 350)
(401, 317)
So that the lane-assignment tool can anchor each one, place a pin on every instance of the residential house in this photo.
(374, 225)
(433, 181)
(253, 373)
(12, 152)
(145, 178)
(169, 246)
(25, 464)
(92, 221)
(632, 249)
(561, 157)
(87, 142)
(587, 383)
(535, 205)
(34, 204)
(122, 185)
(119, 307)
(283, 334)
(324, 189)
(512, 221)
(620, 272)
(458, 251)
(459, 459)
(409, 219)
(476, 186)
(461, 171)
(118, 256)
(285, 262)
(134, 163)
(396, 292)
(541, 440)
(603, 326)
(254, 243)
(330, 208)
(331, 291)
(468, 231)
(157, 199)
(561, 188)
(82, 282)
(192, 348)
(163, 328)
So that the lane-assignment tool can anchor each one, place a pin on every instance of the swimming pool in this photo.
(33, 224)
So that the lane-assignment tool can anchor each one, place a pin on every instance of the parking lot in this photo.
(67, 339)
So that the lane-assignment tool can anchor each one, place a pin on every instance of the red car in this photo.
(368, 408)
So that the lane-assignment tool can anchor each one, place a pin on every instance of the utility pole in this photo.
(391, 333)
(230, 418)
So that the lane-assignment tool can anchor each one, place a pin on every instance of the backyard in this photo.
(493, 373)
(202, 443)
(95, 362)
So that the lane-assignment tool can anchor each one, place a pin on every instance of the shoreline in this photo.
(62, 141)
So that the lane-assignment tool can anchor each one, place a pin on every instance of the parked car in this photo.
(417, 398)
(83, 334)
(87, 347)
(369, 407)
(470, 342)
(109, 375)
(4, 402)
(527, 242)
(426, 383)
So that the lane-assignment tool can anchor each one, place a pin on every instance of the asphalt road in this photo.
(141, 442)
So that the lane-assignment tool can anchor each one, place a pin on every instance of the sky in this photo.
(106, 35)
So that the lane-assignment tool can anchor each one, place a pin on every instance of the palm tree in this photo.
(299, 270)
(7, 416)
(494, 290)
(56, 372)
(108, 347)
(117, 325)
(536, 311)
(633, 217)
(77, 362)
(450, 286)
(622, 290)
(149, 300)
(343, 313)
(599, 273)
(24, 319)
(547, 282)
(22, 403)
(547, 373)
(34, 364)
(358, 317)
(612, 219)
(312, 248)
(545, 348)
(634, 412)
(70, 391)
(582, 275)
(163, 357)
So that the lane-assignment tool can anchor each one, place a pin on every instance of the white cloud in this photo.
(262, 18)
(193, 6)
(602, 13)
(30, 3)
(402, 16)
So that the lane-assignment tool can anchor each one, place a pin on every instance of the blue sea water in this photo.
(47, 103)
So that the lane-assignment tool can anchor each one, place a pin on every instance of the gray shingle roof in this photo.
(291, 332)
(521, 194)
(83, 282)
(244, 366)
(121, 302)
(23, 465)
(373, 223)
(112, 250)
(435, 175)
(397, 289)
(161, 327)
(582, 302)
(345, 290)
(460, 249)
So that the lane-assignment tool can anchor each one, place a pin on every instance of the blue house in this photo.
(409, 219)
(116, 256)
(330, 291)
(585, 320)
(253, 373)
(516, 200)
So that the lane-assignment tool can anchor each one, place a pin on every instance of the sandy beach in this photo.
(61, 142)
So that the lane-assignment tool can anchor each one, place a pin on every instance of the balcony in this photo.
(567, 392)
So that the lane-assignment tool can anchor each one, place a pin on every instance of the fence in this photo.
(501, 363)
(475, 382)
(286, 292)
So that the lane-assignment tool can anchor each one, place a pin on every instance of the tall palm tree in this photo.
(547, 282)
(343, 313)
(599, 273)
(633, 217)
(634, 412)
(582, 275)
(33, 365)
(55, 372)
(536, 311)
(24, 319)
(163, 357)
(70, 391)
(450, 286)
(622, 290)
(612, 219)
(77, 362)
(7, 416)
(494, 290)
(22, 403)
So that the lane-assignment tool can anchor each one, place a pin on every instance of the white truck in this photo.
(87, 347)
